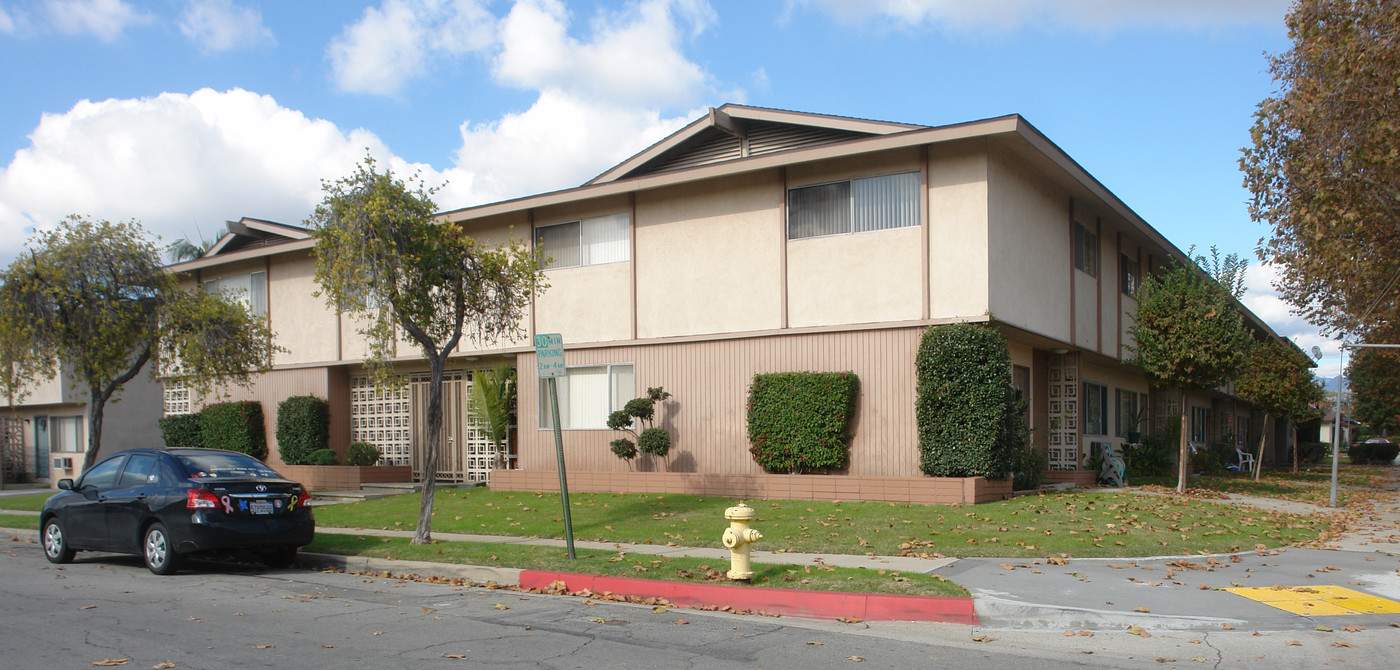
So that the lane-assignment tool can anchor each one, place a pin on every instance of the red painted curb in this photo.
(787, 602)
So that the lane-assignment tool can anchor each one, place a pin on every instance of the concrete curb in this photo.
(479, 574)
(787, 602)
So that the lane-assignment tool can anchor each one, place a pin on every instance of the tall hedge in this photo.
(303, 427)
(181, 431)
(235, 426)
(969, 423)
(798, 420)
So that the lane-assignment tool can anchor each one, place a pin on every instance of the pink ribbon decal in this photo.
(227, 507)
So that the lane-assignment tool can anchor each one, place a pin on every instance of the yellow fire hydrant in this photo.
(737, 538)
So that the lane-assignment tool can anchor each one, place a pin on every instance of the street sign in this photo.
(549, 355)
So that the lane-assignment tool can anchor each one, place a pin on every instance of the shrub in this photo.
(798, 420)
(1373, 453)
(1153, 458)
(181, 431)
(362, 453)
(235, 426)
(1312, 452)
(303, 427)
(965, 405)
(1030, 465)
(323, 457)
(640, 413)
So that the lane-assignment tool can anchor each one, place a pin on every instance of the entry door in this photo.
(451, 461)
(41, 447)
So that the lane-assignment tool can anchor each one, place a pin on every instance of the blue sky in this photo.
(184, 113)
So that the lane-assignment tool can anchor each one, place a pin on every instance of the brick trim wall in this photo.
(920, 490)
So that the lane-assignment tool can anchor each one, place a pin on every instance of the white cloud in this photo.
(175, 162)
(561, 141)
(394, 43)
(1086, 14)
(634, 57)
(220, 25)
(103, 19)
(7, 23)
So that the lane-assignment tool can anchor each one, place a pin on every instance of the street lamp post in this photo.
(1337, 411)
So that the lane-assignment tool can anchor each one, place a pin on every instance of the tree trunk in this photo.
(96, 405)
(1263, 435)
(1185, 458)
(423, 534)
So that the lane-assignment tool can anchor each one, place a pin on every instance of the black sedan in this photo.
(166, 504)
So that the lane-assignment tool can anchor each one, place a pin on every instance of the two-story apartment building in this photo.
(758, 240)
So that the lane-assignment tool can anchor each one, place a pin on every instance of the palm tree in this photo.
(491, 402)
(185, 249)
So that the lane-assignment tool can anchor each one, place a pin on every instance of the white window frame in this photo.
(57, 432)
(248, 289)
(852, 191)
(601, 240)
(618, 395)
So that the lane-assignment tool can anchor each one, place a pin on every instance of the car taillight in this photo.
(301, 499)
(201, 499)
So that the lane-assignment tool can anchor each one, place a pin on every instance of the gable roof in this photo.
(248, 232)
(733, 132)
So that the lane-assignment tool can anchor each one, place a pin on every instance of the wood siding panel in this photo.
(272, 388)
(707, 414)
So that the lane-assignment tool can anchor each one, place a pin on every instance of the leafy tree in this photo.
(93, 296)
(1229, 270)
(1324, 166)
(1188, 336)
(1375, 385)
(186, 249)
(383, 257)
(492, 402)
(1278, 378)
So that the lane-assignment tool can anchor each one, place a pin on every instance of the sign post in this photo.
(549, 363)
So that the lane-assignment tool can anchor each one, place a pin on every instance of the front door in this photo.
(451, 465)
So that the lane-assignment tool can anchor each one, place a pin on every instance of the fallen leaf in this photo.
(1322, 628)
(1198, 659)
(111, 661)
(265, 646)
(1293, 643)
(163, 666)
(501, 607)
(984, 638)
(1144, 610)
(328, 646)
(1342, 644)
(1353, 628)
(378, 632)
(1227, 626)
(1138, 631)
(461, 656)
(680, 622)
(1165, 660)
(660, 609)
(87, 607)
(857, 659)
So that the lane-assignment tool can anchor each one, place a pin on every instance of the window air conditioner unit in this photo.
(63, 462)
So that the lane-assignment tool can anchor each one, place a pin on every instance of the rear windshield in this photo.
(225, 466)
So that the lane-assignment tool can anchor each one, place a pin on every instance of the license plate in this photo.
(260, 507)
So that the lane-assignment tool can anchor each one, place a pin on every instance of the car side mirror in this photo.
(66, 484)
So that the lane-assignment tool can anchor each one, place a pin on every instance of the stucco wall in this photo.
(860, 278)
(1029, 250)
(301, 322)
(707, 257)
(958, 252)
(587, 304)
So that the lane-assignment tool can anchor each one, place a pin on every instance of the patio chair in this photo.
(1246, 460)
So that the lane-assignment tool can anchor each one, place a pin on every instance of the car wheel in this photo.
(281, 557)
(55, 544)
(159, 551)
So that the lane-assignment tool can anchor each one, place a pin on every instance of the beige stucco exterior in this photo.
(869, 277)
(1028, 246)
(959, 258)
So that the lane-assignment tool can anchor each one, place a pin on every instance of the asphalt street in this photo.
(216, 615)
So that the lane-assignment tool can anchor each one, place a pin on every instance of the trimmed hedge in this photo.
(324, 457)
(970, 424)
(181, 431)
(235, 426)
(1373, 453)
(798, 420)
(303, 428)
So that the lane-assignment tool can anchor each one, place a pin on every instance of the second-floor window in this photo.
(1128, 275)
(854, 206)
(1086, 250)
(595, 241)
(248, 289)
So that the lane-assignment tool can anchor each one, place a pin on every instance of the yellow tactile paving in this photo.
(1319, 600)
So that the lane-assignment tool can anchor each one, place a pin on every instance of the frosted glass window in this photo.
(587, 395)
(595, 241)
(249, 290)
(66, 433)
(855, 206)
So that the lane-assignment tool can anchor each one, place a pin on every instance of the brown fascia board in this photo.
(920, 136)
(745, 113)
(275, 228)
(209, 261)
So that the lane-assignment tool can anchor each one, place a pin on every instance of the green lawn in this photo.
(1078, 524)
(25, 521)
(26, 503)
(616, 563)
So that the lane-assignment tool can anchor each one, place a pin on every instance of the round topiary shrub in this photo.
(655, 441)
(324, 457)
(624, 449)
(362, 453)
(303, 428)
